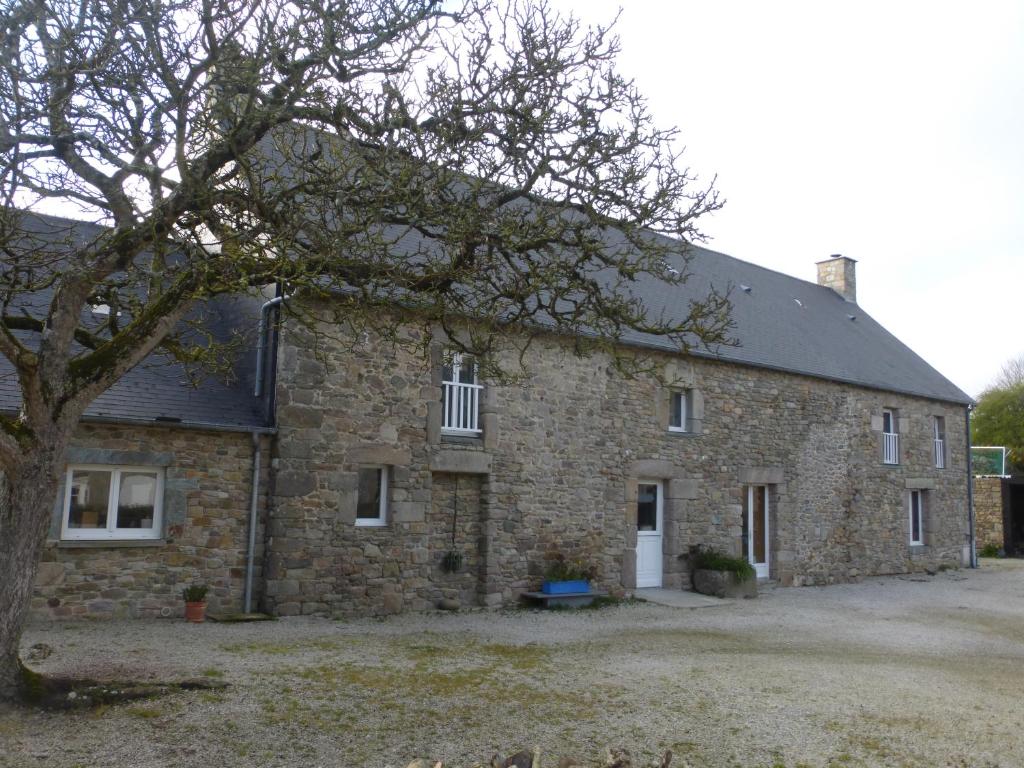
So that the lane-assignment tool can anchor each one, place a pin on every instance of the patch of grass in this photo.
(146, 713)
(212, 672)
(989, 550)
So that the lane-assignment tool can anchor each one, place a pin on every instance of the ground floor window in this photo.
(103, 502)
(372, 505)
(917, 517)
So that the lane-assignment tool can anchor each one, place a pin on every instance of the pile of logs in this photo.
(615, 758)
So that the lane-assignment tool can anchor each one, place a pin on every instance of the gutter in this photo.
(970, 491)
(177, 424)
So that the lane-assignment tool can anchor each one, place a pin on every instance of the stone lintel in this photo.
(80, 455)
(762, 475)
(461, 462)
(380, 454)
(920, 484)
(654, 468)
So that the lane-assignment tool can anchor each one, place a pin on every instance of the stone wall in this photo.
(207, 492)
(558, 465)
(989, 498)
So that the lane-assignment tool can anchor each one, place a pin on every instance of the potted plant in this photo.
(563, 577)
(195, 602)
(721, 575)
(451, 562)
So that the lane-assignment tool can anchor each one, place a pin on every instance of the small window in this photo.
(679, 411)
(939, 441)
(372, 505)
(916, 518)
(102, 502)
(890, 437)
(460, 396)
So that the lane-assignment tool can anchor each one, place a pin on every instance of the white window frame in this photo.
(112, 532)
(919, 495)
(470, 390)
(382, 509)
(892, 437)
(939, 433)
(684, 397)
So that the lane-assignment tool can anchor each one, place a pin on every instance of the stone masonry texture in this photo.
(208, 481)
(988, 511)
(556, 471)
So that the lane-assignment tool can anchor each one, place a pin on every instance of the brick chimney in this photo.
(839, 273)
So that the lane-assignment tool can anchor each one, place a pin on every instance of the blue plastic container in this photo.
(564, 587)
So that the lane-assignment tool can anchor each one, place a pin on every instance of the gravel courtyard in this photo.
(900, 671)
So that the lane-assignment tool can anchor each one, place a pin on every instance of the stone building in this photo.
(820, 448)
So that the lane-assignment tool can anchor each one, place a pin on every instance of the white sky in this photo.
(890, 132)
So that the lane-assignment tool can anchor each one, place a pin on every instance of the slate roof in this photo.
(159, 390)
(797, 326)
(782, 323)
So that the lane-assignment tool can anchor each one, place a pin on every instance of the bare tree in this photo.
(1010, 375)
(484, 163)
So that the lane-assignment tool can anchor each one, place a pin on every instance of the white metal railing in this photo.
(940, 453)
(890, 448)
(460, 407)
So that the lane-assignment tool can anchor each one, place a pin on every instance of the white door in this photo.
(756, 529)
(649, 521)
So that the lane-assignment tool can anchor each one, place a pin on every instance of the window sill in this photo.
(371, 524)
(457, 438)
(106, 543)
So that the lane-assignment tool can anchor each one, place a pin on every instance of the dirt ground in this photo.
(897, 671)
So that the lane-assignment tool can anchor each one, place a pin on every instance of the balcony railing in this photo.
(460, 408)
(890, 448)
(940, 453)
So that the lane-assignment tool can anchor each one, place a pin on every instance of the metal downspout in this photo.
(970, 490)
(261, 342)
(250, 556)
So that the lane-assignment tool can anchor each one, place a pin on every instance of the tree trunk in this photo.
(26, 502)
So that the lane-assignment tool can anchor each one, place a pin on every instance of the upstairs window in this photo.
(460, 396)
(939, 441)
(890, 438)
(372, 503)
(104, 502)
(680, 410)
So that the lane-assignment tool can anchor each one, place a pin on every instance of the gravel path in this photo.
(902, 671)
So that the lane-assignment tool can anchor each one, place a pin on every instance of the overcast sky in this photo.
(890, 132)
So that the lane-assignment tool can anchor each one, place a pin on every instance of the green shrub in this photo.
(989, 550)
(712, 560)
(561, 569)
(195, 593)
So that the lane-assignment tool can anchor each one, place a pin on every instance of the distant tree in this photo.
(499, 135)
(998, 419)
(1011, 374)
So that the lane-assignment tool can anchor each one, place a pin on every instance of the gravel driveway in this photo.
(901, 671)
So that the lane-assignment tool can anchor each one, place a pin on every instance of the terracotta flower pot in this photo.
(195, 612)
